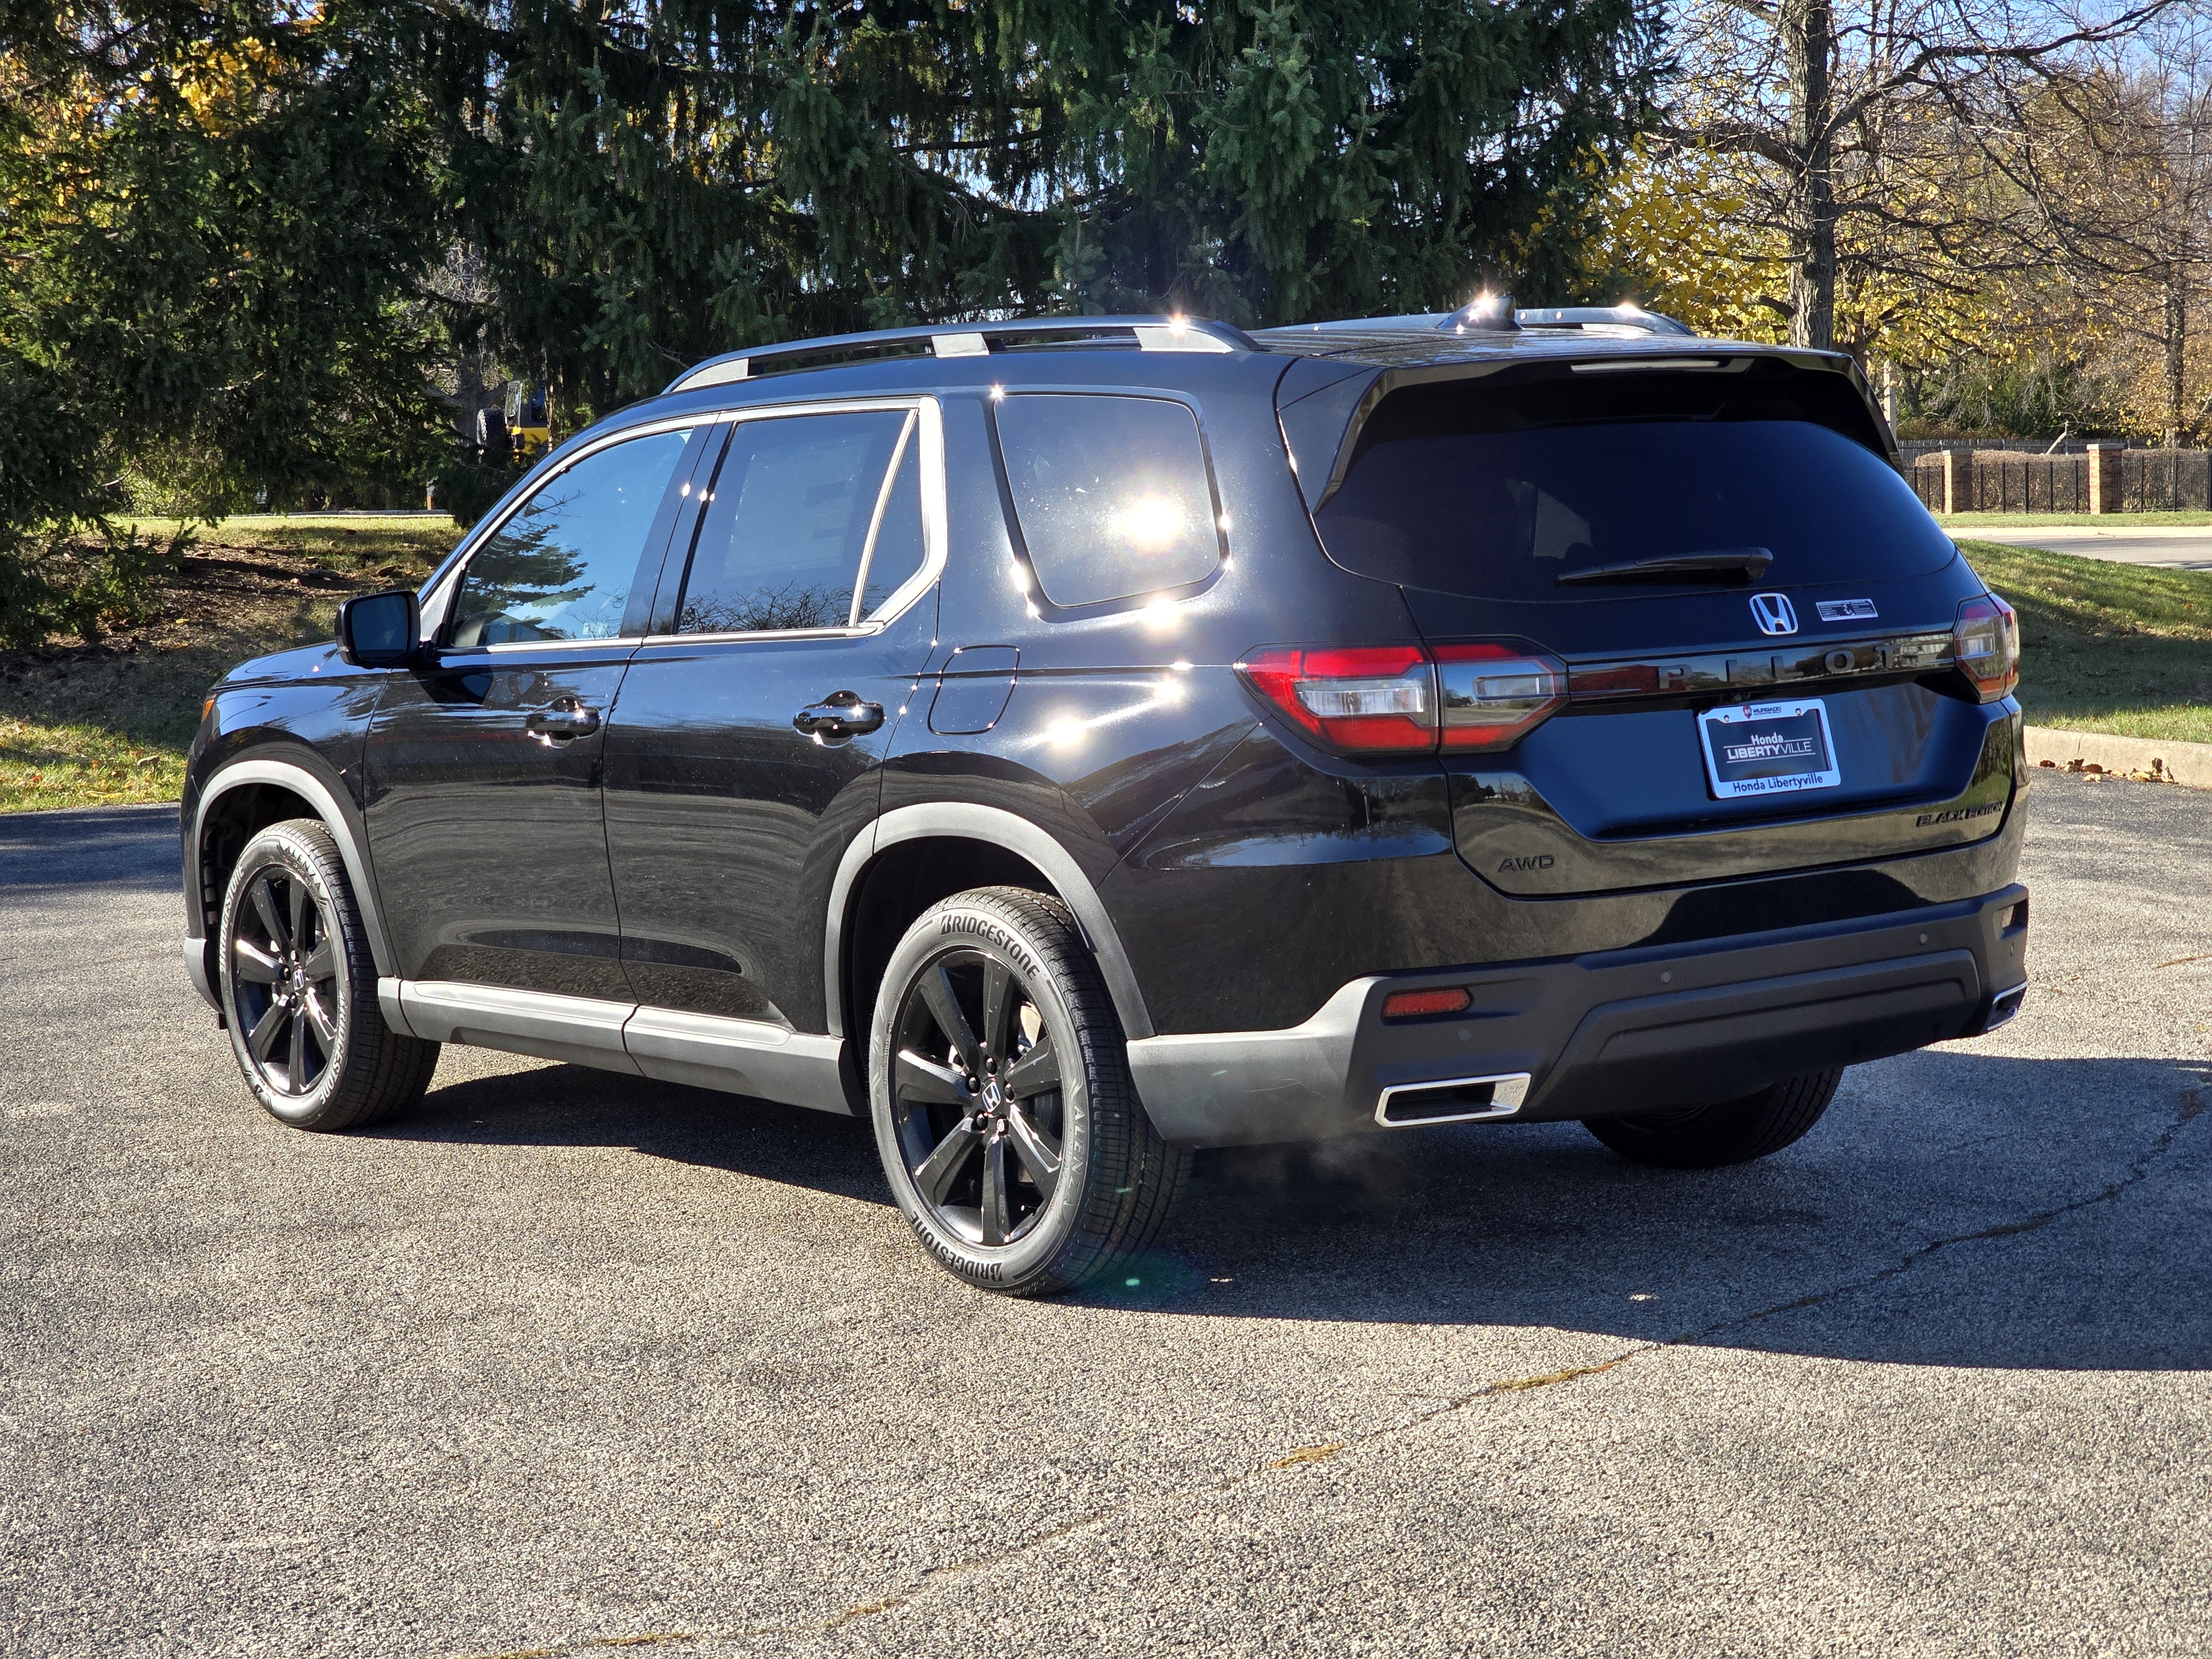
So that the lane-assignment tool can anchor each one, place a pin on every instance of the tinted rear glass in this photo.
(804, 506)
(1111, 493)
(1496, 492)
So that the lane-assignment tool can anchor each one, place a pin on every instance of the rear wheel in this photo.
(1004, 1115)
(299, 989)
(1729, 1132)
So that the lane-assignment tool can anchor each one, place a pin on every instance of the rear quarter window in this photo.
(1498, 491)
(1111, 494)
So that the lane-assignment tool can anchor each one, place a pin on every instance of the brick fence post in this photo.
(1958, 480)
(2105, 477)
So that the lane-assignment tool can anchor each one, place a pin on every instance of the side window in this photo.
(813, 521)
(1111, 493)
(562, 565)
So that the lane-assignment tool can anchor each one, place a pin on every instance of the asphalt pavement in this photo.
(568, 1361)
(2173, 547)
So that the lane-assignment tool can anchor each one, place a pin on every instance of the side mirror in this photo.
(379, 630)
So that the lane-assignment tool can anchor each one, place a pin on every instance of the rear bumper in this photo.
(1613, 1032)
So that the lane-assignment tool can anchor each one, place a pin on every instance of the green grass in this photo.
(2121, 648)
(335, 541)
(108, 724)
(2120, 522)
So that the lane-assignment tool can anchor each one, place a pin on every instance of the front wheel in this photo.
(299, 989)
(1728, 1132)
(1003, 1111)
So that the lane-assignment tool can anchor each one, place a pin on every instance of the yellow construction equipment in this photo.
(529, 421)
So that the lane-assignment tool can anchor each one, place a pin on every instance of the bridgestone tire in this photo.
(294, 954)
(942, 1119)
(1730, 1132)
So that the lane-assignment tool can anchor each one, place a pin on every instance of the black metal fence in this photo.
(2166, 481)
(2151, 481)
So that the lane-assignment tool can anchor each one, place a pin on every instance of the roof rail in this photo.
(972, 340)
(1494, 318)
(1605, 318)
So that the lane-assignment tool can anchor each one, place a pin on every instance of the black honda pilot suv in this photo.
(1069, 744)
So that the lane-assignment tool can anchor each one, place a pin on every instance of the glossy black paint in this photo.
(486, 822)
(303, 710)
(685, 853)
(725, 824)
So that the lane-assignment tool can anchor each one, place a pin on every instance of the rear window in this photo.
(1497, 492)
(1111, 493)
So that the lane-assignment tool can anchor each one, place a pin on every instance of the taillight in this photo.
(1360, 697)
(1402, 698)
(1985, 641)
(1494, 695)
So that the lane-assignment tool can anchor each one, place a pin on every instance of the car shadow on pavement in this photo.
(1952, 1209)
(101, 848)
(575, 1106)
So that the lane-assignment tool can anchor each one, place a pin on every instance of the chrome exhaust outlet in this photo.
(1451, 1100)
(2003, 1006)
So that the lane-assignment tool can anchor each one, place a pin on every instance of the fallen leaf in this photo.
(1308, 1455)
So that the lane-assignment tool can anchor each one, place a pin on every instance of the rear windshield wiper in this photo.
(1749, 561)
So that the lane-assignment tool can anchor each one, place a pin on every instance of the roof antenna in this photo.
(1487, 314)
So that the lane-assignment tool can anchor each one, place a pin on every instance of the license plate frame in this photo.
(1797, 754)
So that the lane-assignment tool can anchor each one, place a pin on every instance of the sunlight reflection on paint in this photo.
(1067, 730)
(1150, 522)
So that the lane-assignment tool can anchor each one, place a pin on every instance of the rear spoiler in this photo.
(1323, 404)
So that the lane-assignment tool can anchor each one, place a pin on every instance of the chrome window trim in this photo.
(431, 607)
(936, 532)
(609, 643)
(860, 632)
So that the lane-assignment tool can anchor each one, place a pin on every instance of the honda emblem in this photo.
(1774, 613)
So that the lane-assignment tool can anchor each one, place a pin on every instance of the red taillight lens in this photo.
(1381, 699)
(1404, 1004)
(1493, 696)
(1986, 642)
(1361, 697)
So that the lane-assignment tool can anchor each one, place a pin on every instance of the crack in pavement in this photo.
(2187, 1106)
(2190, 1104)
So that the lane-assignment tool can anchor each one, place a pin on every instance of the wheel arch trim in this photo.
(971, 821)
(304, 783)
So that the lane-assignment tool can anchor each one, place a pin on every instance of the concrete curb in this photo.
(2188, 763)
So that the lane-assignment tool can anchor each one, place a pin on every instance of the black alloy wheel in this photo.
(287, 995)
(298, 985)
(999, 1083)
(976, 1098)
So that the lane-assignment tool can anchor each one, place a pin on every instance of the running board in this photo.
(738, 1056)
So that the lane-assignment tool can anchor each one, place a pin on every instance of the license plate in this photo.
(1768, 748)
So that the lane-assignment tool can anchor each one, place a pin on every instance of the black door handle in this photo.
(840, 714)
(567, 718)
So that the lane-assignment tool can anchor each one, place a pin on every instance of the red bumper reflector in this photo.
(1399, 1004)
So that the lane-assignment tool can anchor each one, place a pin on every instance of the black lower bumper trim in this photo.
(1622, 1032)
